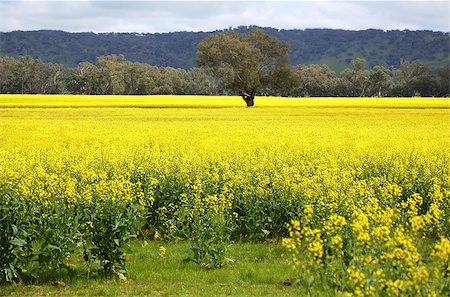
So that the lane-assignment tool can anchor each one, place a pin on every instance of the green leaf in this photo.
(18, 242)
(52, 247)
(310, 280)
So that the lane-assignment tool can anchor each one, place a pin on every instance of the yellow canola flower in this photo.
(356, 275)
(360, 226)
(419, 276)
(413, 204)
(315, 247)
(402, 247)
(295, 224)
(334, 223)
(420, 222)
(381, 233)
(442, 250)
(162, 251)
(337, 241)
(395, 287)
(288, 243)
(308, 212)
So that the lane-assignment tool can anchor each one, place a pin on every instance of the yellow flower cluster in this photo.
(359, 226)
(162, 251)
(384, 251)
(356, 275)
(442, 251)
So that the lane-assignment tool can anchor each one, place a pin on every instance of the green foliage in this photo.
(354, 81)
(414, 78)
(115, 75)
(315, 80)
(108, 75)
(56, 236)
(26, 75)
(46, 225)
(111, 225)
(246, 63)
(13, 240)
(410, 79)
(36, 238)
(210, 238)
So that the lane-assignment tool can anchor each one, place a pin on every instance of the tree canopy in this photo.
(246, 63)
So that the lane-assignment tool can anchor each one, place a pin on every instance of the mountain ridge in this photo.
(333, 47)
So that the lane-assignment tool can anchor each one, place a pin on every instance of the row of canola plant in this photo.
(359, 224)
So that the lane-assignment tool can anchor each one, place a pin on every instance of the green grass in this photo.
(259, 269)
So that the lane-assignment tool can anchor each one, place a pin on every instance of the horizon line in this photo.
(224, 29)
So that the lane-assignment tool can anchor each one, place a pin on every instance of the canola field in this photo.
(356, 189)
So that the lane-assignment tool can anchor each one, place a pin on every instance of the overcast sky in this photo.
(169, 16)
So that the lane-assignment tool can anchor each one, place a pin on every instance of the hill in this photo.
(335, 48)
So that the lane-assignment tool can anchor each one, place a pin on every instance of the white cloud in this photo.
(166, 16)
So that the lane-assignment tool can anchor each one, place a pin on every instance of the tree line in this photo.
(109, 75)
(411, 78)
(115, 75)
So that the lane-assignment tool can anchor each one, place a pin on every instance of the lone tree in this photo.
(246, 63)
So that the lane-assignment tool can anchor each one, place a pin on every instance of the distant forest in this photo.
(334, 48)
(114, 74)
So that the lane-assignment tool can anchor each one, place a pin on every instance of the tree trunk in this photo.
(249, 98)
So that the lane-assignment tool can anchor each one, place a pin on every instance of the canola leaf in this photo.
(310, 280)
(18, 242)
(52, 247)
